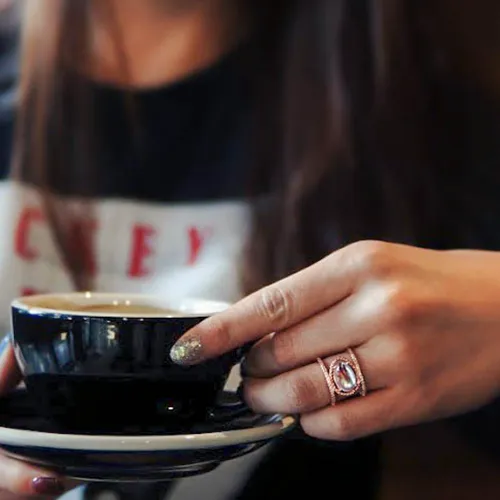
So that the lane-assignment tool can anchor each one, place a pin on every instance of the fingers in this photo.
(276, 307)
(19, 478)
(10, 375)
(304, 389)
(379, 411)
(352, 322)
(288, 302)
(354, 418)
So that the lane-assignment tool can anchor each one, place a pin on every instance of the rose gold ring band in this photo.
(343, 377)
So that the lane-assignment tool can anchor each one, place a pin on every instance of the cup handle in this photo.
(229, 406)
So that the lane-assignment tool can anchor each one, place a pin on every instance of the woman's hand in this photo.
(424, 325)
(18, 480)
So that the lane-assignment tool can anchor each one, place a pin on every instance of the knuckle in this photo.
(301, 394)
(220, 333)
(373, 258)
(276, 305)
(284, 350)
(402, 304)
(343, 427)
(335, 426)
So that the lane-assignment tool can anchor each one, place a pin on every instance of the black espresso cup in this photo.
(98, 362)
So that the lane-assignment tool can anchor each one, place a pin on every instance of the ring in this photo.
(343, 377)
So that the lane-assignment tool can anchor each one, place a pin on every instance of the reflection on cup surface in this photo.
(100, 364)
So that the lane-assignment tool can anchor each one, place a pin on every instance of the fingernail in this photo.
(187, 351)
(47, 486)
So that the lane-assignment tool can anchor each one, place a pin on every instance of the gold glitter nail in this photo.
(187, 352)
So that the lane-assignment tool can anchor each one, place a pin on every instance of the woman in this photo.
(142, 128)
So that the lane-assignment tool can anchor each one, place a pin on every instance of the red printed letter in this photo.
(197, 239)
(28, 217)
(25, 292)
(141, 250)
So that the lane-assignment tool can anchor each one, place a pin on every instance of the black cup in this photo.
(96, 370)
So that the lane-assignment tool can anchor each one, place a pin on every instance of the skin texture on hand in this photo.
(18, 480)
(424, 324)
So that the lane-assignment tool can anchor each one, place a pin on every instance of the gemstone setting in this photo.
(344, 376)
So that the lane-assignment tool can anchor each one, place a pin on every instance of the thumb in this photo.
(10, 374)
(27, 480)
(15, 476)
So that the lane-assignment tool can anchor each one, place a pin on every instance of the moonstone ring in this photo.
(344, 377)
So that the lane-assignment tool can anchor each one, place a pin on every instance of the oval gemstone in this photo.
(344, 377)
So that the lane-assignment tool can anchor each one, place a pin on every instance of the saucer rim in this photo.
(177, 442)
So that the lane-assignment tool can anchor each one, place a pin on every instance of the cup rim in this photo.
(191, 307)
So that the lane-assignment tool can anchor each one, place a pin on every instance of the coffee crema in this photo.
(111, 308)
(131, 309)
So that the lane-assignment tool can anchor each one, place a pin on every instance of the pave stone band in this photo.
(343, 377)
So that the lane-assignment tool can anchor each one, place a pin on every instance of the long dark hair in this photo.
(351, 142)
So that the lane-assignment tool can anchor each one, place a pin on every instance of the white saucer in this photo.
(274, 426)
